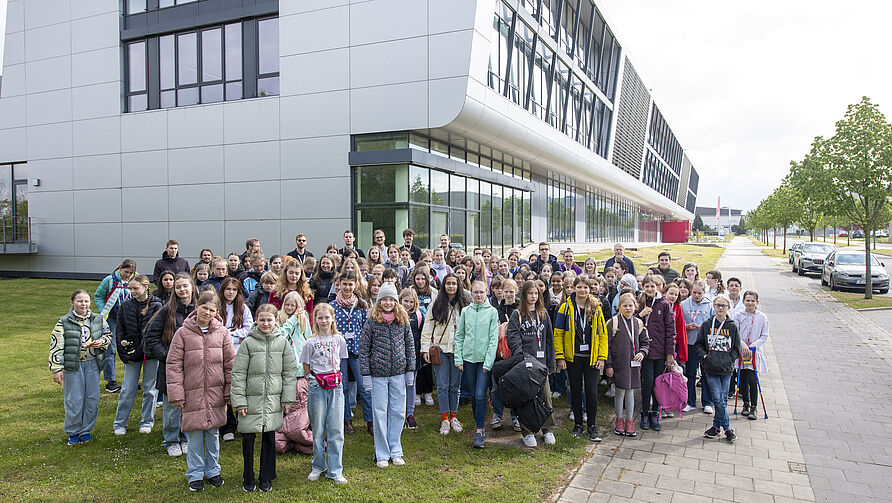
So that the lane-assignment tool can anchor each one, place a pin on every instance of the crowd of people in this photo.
(286, 347)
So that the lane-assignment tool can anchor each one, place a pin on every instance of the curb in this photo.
(865, 309)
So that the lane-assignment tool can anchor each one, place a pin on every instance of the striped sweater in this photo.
(386, 349)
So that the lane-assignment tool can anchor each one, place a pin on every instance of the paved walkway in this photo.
(838, 447)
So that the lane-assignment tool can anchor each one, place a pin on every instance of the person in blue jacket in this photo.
(112, 292)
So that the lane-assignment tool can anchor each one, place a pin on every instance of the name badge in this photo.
(540, 354)
(349, 335)
(636, 364)
(583, 347)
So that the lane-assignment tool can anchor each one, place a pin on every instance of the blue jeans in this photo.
(690, 371)
(203, 457)
(364, 395)
(326, 411)
(558, 382)
(448, 383)
(389, 413)
(108, 363)
(410, 393)
(129, 387)
(170, 424)
(718, 388)
(80, 388)
(477, 381)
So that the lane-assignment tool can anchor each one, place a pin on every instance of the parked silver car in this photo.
(846, 269)
(810, 257)
(793, 250)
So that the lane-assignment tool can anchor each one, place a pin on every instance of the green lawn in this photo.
(37, 465)
(856, 300)
(704, 256)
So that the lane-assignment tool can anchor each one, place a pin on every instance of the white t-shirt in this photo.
(324, 353)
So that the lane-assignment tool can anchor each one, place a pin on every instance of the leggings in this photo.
(749, 390)
(650, 369)
(625, 398)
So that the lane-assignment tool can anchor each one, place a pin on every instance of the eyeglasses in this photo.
(721, 305)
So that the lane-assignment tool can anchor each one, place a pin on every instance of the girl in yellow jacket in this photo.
(580, 345)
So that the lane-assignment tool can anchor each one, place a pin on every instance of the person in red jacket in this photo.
(199, 369)
(660, 323)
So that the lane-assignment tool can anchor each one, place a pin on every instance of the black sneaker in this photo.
(196, 486)
(655, 421)
(266, 485)
(578, 430)
(745, 410)
(112, 386)
(216, 481)
(479, 439)
(411, 423)
(248, 487)
(752, 414)
(593, 434)
(645, 420)
(730, 436)
(731, 394)
(712, 432)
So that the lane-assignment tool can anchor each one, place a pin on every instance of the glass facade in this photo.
(211, 64)
(608, 218)
(552, 77)
(13, 203)
(560, 210)
(659, 177)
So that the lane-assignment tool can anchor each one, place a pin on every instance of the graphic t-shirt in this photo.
(324, 353)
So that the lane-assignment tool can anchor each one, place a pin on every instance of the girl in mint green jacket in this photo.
(476, 339)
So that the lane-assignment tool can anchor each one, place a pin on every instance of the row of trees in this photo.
(845, 179)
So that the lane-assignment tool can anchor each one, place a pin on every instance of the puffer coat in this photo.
(132, 324)
(296, 433)
(264, 378)
(199, 367)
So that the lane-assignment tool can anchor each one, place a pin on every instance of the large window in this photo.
(498, 55)
(206, 65)
(561, 211)
(137, 6)
(14, 203)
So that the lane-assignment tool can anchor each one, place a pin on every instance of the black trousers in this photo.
(650, 369)
(583, 377)
(267, 456)
(749, 390)
(424, 382)
(231, 423)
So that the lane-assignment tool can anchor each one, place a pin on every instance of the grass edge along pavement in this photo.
(38, 466)
(853, 299)
(704, 255)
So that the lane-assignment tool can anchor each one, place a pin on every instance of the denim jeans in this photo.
(129, 387)
(410, 393)
(170, 424)
(558, 381)
(80, 387)
(108, 362)
(326, 410)
(203, 457)
(364, 396)
(718, 388)
(690, 371)
(448, 383)
(389, 413)
(477, 381)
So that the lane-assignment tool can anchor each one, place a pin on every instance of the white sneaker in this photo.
(417, 403)
(120, 431)
(456, 426)
(340, 480)
(549, 438)
(555, 395)
(515, 424)
(572, 416)
(428, 399)
(145, 430)
(398, 461)
(612, 391)
(444, 427)
(228, 437)
(184, 447)
(584, 417)
(174, 450)
(708, 410)
(314, 475)
(382, 464)
(530, 440)
(688, 408)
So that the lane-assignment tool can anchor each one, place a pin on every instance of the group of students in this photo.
(287, 348)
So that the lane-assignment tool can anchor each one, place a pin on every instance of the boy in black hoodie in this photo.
(718, 347)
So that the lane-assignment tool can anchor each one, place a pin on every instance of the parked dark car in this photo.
(793, 249)
(846, 269)
(810, 257)
(857, 234)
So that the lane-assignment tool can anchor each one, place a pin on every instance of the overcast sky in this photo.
(746, 86)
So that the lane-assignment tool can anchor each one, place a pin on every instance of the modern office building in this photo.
(729, 217)
(500, 122)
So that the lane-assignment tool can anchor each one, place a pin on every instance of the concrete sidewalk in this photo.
(679, 464)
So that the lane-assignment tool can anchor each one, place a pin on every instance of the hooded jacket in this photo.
(174, 265)
(250, 280)
(566, 329)
(537, 265)
(477, 335)
(533, 338)
(718, 346)
(264, 379)
(199, 369)
(105, 290)
(131, 326)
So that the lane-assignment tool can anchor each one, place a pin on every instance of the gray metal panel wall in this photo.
(631, 123)
(683, 182)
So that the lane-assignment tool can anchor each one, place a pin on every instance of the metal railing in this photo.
(16, 235)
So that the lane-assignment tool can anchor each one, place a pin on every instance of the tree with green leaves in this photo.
(852, 171)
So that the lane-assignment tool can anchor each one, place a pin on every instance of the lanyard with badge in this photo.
(749, 334)
(350, 334)
(540, 350)
(713, 330)
(630, 327)
(581, 318)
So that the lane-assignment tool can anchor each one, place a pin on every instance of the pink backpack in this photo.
(671, 391)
